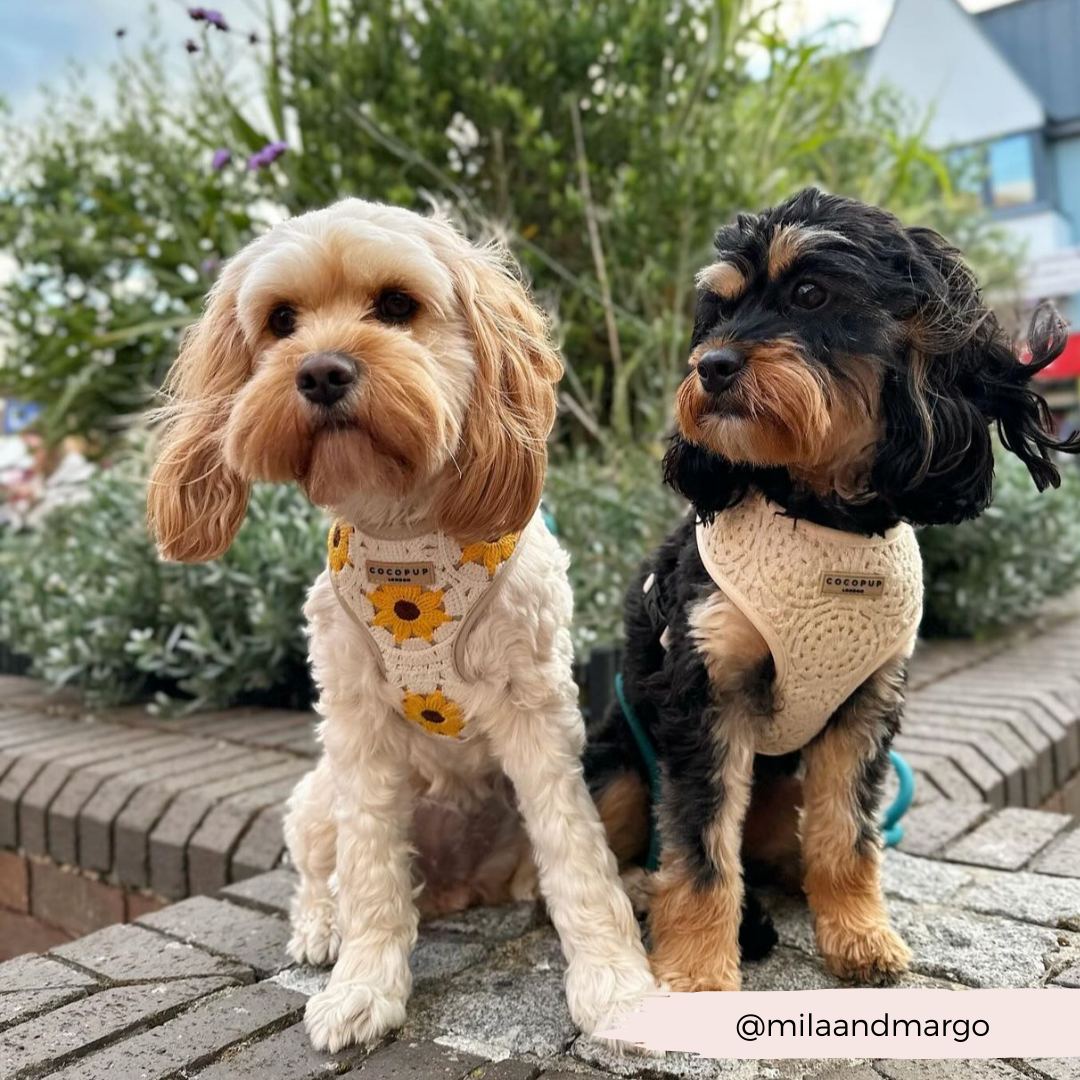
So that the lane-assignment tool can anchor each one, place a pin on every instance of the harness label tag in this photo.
(841, 583)
(399, 573)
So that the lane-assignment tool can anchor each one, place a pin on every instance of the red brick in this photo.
(21, 934)
(72, 901)
(14, 882)
(140, 904)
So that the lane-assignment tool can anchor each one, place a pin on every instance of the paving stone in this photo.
(1013, 758)
(1023, 731)
(1033, 898)
(858, 1072)
(136, 821)
(435, 959)
(948, 779)
(271, 892)
(284, 1055)
(193, 1038)
(83, 1025)
(946, 1070)
(34, 804)
(513, 1004)
(971, 762)
(80, 788)
(1061, 857)
(928, 828)
(252, 937)
(508, 1069)
(1057, 1068)
(97, 816)
(262, 846)
(499, 923)
(787, 969)
(35, 984)
(169, 839)
(18, 729)
(921, 880)
(211, 846)
(976, 950)
(127, 953)
(418, 1060)
(675, 1065)
(1009, 839)
(1069, 978)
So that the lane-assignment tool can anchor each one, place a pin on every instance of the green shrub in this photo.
(987, 573)
(609, 514)
(90, 603)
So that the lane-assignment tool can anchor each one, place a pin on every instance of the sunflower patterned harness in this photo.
(832, 607)
(415, 601)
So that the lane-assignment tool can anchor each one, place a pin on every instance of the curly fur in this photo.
(867, 404)
(443, 429)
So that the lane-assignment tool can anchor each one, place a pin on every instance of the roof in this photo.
(1041, 40)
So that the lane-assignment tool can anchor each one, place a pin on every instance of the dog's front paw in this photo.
(599, 993)
(315, 939)
(351, 1013)
(872, 955)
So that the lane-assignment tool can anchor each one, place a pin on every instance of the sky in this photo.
(39, 37)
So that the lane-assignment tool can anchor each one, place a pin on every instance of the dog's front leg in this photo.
(539, 747)
(841, 841)
(377, 918)
(698, 897)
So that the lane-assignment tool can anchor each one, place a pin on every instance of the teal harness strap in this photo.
(891, 829)
(652, 766)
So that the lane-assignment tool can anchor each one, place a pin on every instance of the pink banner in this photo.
(863, 1023)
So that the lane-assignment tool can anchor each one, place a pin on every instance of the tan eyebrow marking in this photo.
(723, 278)
(790, 241)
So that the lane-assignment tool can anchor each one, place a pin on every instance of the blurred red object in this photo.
(1066, 366)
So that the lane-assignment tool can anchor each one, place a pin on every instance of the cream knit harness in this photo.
(415, 601)
(832, 606)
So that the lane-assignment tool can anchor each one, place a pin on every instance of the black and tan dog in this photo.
(844, 376)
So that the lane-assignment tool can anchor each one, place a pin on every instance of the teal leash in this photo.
(652, 767)
(891, 829)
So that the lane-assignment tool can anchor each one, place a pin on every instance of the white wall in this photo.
(937, 55)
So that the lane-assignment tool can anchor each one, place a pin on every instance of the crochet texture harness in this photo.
(832, 606)
(415, 600)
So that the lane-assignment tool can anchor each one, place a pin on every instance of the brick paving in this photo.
(104, 819)
(204, 988)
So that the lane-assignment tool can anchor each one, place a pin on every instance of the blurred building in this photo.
(1005, 84)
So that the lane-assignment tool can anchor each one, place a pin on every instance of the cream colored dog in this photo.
(406, 381)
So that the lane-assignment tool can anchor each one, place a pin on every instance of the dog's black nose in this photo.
(718, 368)
(324, 378)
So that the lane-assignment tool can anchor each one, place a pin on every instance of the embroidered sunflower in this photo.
(337, 546)
(408, 611)
(490, 556)
(434, 713)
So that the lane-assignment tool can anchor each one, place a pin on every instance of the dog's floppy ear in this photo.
(935, 462)
(710, 482)
(195, 503)
(501, 459)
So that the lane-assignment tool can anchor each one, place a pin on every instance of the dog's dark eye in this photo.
(395, 306)
(809, 295)
(282, 321)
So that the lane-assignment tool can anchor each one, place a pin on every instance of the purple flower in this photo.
(211, 266)
(215, 18)
(267, 155)
(191, 46)
(220, 159)
(197, 13)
